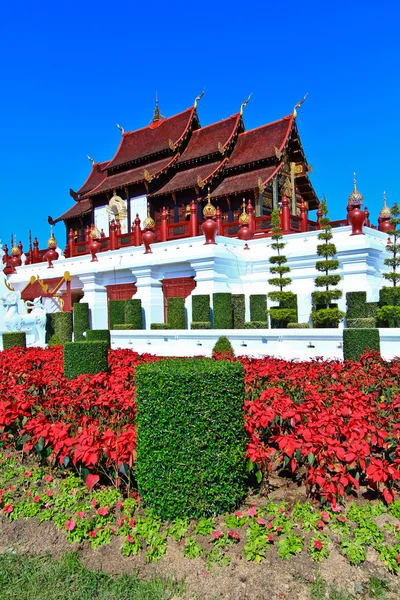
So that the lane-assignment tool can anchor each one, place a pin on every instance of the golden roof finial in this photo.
(244, 218)
(245, 103)
(355, 196)
(157, 115)
(298, 106)
(198, 98)
(120, 128)
(91, 159)
(148, 223)
(385, 212)
(209, 210)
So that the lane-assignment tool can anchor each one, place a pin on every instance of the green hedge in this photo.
(370, 309)
(256, 325)
(176, 313)
(361, 323)
(116, 312)
(298, 325)
(134, 313)
(355, 304)
(14, 339)
(258, 308)
(200, 325)
(222, 310)
(389, 296)
(95, 335)
(81, 320)
(357, 341)
(239, 310)
(286, 312)
(63, 326)
(85, 358)
(123, 326)
(201, 308)
(54, 341)
(191, 441)
(160, 326)
(50, 325)
(223, 345)
(327, 317)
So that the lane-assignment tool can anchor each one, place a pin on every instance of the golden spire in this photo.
(245, 103)
(198, 98)
(385, 212)
(148, 223)
(298, 106)
(355, 196)
(244, 218)
(209, 210)
(157, 115)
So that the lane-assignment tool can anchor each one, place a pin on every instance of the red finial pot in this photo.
(209, 228)
(356, 218)
(94, 248)
(148, 237)
(51, 255)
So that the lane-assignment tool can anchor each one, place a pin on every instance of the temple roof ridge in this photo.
(95, 177)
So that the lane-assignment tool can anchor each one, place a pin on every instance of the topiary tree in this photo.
(390, 313)
(223, 348)
(287, 310)
(324, 313)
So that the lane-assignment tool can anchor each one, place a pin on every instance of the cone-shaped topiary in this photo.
(389, 314)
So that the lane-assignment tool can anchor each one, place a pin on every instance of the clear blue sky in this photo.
(71, 70)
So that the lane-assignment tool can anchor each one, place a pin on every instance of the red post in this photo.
(319, 217)
(303, 216)
(250, 212)
(285, 215)
(5, 255)
(36, 255)
(113, 241)
(137, 235)
(71, 244)
(219, 221)
(194, 222)
(102, 234)
(164, 228)
(367, 222)
(87, 234)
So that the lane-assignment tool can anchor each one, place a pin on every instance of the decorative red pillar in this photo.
(15, 260)
(384, 217)
(164, 228)
(71, 244)
(137, 236)
(87, 234)
(36, 255)
(117, 233)
(356, 216)
(219, 221)
(102, 234)
(285, 215)
(250, 212)
(209, 227)
(194, 222)
(303, 216)
(95, 244)
(5, 255)
(51, 253)
(319, 217)
(113, 241)
(367, 222)
(148, 235)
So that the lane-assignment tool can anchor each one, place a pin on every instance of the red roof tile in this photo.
(133, 175)
(243, 182)
(80, 208)
(205, 141)
(189, 177)
(96, 176)
(153, 138)
(258, 144)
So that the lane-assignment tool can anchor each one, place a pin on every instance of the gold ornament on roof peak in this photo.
(244, 218)
(385, 212)
(15, 251)
(157, 116)
(209, 210)
(355, 196)
(245, 103)
(94, 233)
(52, 242)
(198, 98)
(148, 223)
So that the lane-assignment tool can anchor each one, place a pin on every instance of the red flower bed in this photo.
(336, 425)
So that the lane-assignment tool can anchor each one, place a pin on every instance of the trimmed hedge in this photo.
(123, 326)
(258, 308)
(85, 358)
(222, 310)
(201, 308)
(223, 345)
(54, 341)
(286, 312)
(95, 335)
(14, 339)
(134, 313)
(361, 323)
(160, 326)
(238, 310)
(176, 313)
(370, 309)
(256, 325)
(355, 304)
(81, 320)
(389, 296)
(63, 326)
(357, 341)
(200, 325)
(50, 326)
(298, 325)
(116, 312)
(191, 441)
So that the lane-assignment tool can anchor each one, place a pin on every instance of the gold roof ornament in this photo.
(198, 98)
(94, 233)
(52, 242)
(244, 218)
(385, 212)
(15, 251)
(298, 106)
(209, 210)
(245, 103)
(148, 223)
(91, 159)
(355, 196)
(157, 116)
(122, 130)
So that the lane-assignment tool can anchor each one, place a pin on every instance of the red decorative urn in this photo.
(148, 235)
(95, 244)
(15, 260)
(245, 233)
(384, 217)
(209, 227)
(356, 216)
(51, 253)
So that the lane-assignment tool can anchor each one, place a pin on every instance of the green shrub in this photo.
(298, 325)
(63, 326)
(116, 312)
(200, 325)
(361, 323)
(222, 310)
(50, 325)
(388, 316)
(123, 326)
(223, 346)
(256, 325)
(389, 296)
(355, 304)
(287, 310)
(258, 308)
(326, 317)
(191, 441)
(81, 320)
(134, 313)
(94, 335)
(239, 310)
(370, 309)
(54, 341)
(14, 339)
(201, 308)
(85, 358)
(176, 313)
(357, 341)
(160, 326)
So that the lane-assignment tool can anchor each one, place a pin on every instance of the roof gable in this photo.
(211, 139)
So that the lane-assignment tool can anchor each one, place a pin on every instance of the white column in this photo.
(95, 294)
(149, 291)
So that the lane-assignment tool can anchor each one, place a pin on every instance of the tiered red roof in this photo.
(211, 139)
(190, 178)
(96, 176)
(80, 208)
(244, 182)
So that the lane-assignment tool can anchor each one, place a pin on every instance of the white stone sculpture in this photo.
(34, 321)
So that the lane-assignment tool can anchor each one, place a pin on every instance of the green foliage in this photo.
(176, 313)
(201, 308)
(160, 326)
(286, 312)
(192, 549)
(54, 341)
(361, 323)
(134, 313)
(290, 545)
(370, 309)
(258, 307)
(50, 325)
(116, 312)
(238, 309)
(389, 316)
(85, 358)
(256, 325)
(222, 311)
(63, 326)
(14, 339)
(298, 325)
(394, 247)
(123, 326)
(200, 325)
(355, 304)
(326, 317)
(191, 440)
(81, 320)
(357, 341)
(94, 335)
(223, 345)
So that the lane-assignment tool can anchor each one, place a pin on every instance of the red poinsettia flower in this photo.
(318, 544)
(70, 525)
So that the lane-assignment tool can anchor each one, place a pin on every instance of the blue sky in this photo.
(70, 71)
